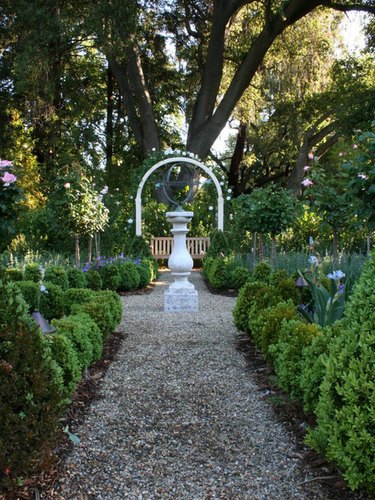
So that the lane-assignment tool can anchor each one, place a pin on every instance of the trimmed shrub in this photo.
(262, 272)
(253, 293)
(144, 274)
(115, 303)
(129, 275)
(30, 391)
(29, 291)
(153, 266)
(63, 352)
(32, 272)
(219, 245)
(345, 430)
(314, 361)
(139, 248)
(76, 278)
(52, 301)
(105, 309)
(94, 281)
(100, 312)
(111, 276)
(76, 329)
(56, 275)
(217, 273)
(76, 296)
(287, 354)
(13, 274)
(272, 317)
(238, 277)
(288, 290)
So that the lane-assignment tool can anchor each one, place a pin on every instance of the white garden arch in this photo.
(178, 159)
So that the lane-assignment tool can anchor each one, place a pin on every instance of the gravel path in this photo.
(180, 417)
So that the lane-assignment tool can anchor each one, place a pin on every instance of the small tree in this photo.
(87, 214)
(269, 210)
(328, 196)
(361, 178)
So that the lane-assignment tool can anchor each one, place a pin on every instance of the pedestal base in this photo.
(180, 301)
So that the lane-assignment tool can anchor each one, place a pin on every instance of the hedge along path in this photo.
(179, 416)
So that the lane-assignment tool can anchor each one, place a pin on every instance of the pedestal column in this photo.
(181, 295)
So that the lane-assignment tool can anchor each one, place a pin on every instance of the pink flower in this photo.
(306, 168)
(355, 146)
(5, 163)
(311, 155)
(67, 185)
(8, 178)
(341, 154)
(307, 182)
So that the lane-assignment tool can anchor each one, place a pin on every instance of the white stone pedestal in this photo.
(181, 295)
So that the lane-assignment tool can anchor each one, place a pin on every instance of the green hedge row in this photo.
(119, 274)
(330, 370)
(38, 374)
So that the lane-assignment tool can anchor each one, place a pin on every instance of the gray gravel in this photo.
(180, 417)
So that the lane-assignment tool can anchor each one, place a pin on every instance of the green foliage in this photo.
(238, 277)
(129, 275)
(30, 292)
(105, 308)
(361, 176)
(32, 272)
(115, 303)
(139, 248)
(262, 272)
(64, 354)
(328, 306)
(314, 364)
(51, 304)
(14, 274)
(77, 330)
(30, 391)
(153, 266)
(268, 210)
(219, 245)
(287, 290)
(252, 294)
(270, 325)
(345, 429)
(144, 272)
(94, 280)
(76, 278)
(76, 296)
(111, 276)
(287, 354)
(57, 275)
(216, 272)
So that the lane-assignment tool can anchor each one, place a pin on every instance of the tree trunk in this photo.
(235, 164)
(89, 248)
(97, 246)
(77, 255)
(109, 129)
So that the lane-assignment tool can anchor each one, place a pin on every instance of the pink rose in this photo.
(307, 182)
(355, 146)
(8, 178)
(306, 168)
(5, 163)
(311, 155)
(67, 185)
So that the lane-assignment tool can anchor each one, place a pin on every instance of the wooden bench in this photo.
(161, 247)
